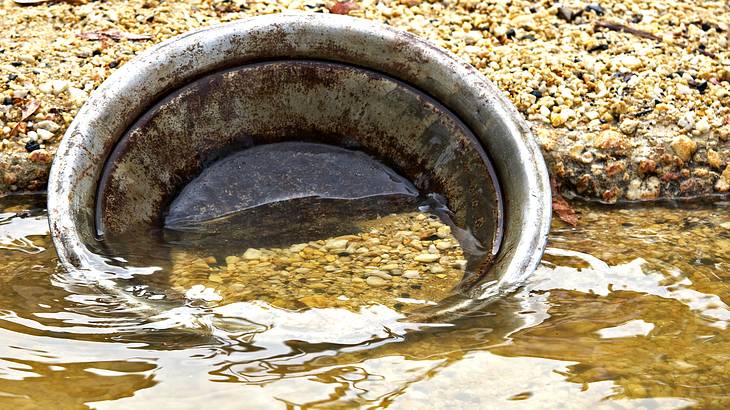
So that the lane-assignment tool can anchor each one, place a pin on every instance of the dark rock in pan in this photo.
(281, 224)
(256, 189)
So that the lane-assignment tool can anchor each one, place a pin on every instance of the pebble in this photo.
(379, 274)
(252, 254)
(77, 95)
(411, 274)
(427, 257)
(566, 14)
(376, 281)
(43, 134)
(444, 245)
(684, 147)
(702, 126)
(46, 88)
(683, 89)
(596, 8)
(59, 86)
(47, 125)
(437, 269)
(298, 247)
(332, 244)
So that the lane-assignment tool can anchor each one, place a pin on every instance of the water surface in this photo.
(629, 310)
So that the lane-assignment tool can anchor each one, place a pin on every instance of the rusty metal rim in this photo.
(461, 88)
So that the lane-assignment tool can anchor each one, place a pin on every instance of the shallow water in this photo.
(630, 310)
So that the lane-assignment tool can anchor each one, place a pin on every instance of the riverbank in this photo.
(629, 100)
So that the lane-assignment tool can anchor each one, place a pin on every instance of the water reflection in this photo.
(628, 311)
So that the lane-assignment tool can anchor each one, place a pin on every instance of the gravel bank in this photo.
(630, 100)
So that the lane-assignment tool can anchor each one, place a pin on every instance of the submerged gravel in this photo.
(401, 261)
(629, 100)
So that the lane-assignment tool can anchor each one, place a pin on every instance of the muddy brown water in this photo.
(629, 310)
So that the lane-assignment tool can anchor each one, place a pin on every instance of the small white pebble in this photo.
(46, 88)
(444, 245)
(78, 96)
(437, 269)
(427, 257)
(44, 135)
(683, 89)
(59, 86)
(702, 126)
(411, 274)
(22, 93)
(47, 125)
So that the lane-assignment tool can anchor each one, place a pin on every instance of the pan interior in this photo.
(231, 145)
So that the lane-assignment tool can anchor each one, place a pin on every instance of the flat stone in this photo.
(252, 254)
(444, 245)
(427, 257)
(411, 274)
(437, 269)
(684, 147)
(336, 244)
(44, 134)
(379, 274)
(47, 125)
(376, 281)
